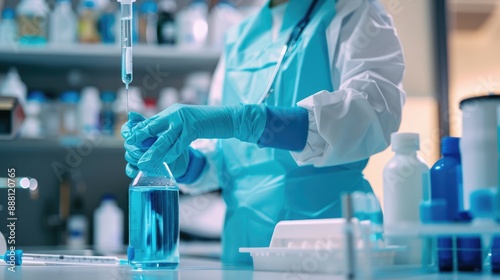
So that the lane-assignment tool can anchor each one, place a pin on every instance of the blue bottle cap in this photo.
(69, 97)
(8, 13)
(433, 211)
(89, 4)
(108, 96)
(149, 7)
(482, 203)
(37, 96)
(108, 197)
(450, 145)
(463, 217)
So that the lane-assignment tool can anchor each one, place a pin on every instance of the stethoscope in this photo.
(287, 49)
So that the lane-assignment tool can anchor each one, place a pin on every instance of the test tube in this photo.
(126, 40)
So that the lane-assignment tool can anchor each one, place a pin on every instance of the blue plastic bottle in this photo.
(154, 220)
(469, 253)
(445, 186)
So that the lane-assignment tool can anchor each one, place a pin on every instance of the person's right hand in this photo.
(134, 151)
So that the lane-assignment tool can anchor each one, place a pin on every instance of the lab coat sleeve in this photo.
(209, 179)
(356, 120)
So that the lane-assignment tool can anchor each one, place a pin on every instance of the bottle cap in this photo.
(433, 211)
(405, 142)
(108, 197)
(37, 96)
(8, 13)
(89, 4)
(168, 6)
(150, 102)
(108, 96)
(463, 217)
(69, 97)
(149, 7)
(226, 2)
(450, 145)
(482, 203)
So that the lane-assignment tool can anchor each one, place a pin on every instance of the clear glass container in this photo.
(154, 220)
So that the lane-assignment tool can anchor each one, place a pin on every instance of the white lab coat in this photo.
(355, 121)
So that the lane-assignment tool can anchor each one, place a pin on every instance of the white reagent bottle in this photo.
(406, 184)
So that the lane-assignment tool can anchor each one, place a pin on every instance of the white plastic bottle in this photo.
(108, 226)
(63, 23)
(222, 17)
(13, 86)
(89, 110)
(406, 184)
(32, 126)
(8, 27)
(168, 97)
(192, 25)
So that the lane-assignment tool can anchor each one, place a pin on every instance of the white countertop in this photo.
(196, 268)
(200, 261)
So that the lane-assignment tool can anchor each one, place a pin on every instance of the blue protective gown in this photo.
(265, 186)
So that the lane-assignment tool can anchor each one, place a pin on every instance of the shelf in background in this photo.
(31, 145)
(168, 58)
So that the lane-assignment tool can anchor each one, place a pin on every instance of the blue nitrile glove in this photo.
(135, 150)
(179, 125)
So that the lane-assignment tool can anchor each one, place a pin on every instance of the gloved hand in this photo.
(177, 126)
(135, 150)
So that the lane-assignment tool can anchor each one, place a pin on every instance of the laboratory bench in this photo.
(199, 268)
(200, 260)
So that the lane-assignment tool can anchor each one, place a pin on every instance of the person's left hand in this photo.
(177, 126)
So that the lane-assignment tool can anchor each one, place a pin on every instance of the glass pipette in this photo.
(126, 41)
(17, 257)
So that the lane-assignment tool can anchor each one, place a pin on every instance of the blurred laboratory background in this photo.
(62, 60)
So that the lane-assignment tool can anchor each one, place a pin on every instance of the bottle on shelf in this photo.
(8, 27)
(189, 95)
(406, 184)
(150, 108)
(154, 215)
(168, 97)
(32, 22)
(200, 81)
(108, 226)
(135, 104)
(192, 26)
(77, 225)
(87, 25)
(89, 109)
(166, 29)
(148, 20)
(69, 114)
(13, 86)
(63, 23)
(108, 24)
(107, 116)
(446, 187)
(32, 125)
(222, 16)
